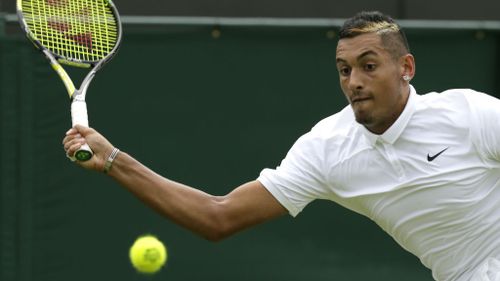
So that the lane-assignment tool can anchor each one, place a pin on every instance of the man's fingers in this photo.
(71, 131)
(79, 129)
(68, 143)
(71, 137)
(74, 147)
(82, 129)
(68, 138)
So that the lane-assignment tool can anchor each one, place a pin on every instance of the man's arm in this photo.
(213, 217)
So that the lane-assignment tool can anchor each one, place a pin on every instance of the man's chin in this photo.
(363, 119)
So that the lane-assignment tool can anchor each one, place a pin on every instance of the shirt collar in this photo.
(393, 133)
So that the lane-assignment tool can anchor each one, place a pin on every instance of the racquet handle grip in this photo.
(79, 116)
(79, 113)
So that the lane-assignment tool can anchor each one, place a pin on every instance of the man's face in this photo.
(371, 79)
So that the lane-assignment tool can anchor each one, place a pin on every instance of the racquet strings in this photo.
(83, 30)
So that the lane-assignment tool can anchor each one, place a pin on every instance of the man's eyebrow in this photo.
(364, 54)
(340, 60)
(367, 53)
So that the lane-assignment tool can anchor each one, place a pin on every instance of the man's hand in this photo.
(78, 135)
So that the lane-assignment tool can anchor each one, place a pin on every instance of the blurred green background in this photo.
(210, 112)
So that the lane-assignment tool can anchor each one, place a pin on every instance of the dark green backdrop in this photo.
(210, 113)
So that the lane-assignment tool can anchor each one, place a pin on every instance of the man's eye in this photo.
(344, 71)
(370, 66)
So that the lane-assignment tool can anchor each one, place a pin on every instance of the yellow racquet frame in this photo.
(81, 33)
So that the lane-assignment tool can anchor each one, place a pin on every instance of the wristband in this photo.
(109, 161)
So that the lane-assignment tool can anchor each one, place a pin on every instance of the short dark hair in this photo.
(392, 35)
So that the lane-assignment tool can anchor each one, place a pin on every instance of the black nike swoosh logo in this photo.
(431, 158)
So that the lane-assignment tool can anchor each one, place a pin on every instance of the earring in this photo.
(406, 77)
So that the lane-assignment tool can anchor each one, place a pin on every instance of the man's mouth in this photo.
(359, 99)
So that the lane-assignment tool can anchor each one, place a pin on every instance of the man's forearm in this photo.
(189, 207)
(213, 217)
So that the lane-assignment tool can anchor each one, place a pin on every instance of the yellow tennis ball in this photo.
(148, 254)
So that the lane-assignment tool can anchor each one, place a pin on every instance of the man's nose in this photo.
(355, 80)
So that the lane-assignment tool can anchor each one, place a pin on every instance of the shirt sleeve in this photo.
(299, 178)
(485, 127)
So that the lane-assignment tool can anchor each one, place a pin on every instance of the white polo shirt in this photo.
(431, 181)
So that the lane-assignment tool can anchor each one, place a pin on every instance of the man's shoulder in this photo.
(453, 96)
(458, 99)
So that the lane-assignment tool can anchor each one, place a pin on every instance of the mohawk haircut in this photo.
(393, 37)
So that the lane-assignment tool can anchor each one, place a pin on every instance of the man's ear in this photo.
(407, 67)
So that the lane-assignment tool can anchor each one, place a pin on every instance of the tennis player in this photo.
(425, 168)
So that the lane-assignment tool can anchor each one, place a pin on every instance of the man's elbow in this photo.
(220, 225)
(215, 237)
(218, 231)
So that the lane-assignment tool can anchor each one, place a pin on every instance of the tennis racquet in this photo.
(80, 33)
